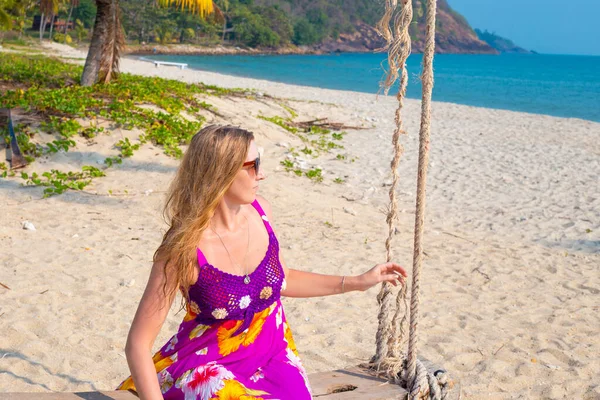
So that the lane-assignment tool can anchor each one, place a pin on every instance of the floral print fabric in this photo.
(205, 362)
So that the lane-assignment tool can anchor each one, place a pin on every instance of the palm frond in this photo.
(218, 15)
(113, 46)
(49, 7)
(5, 20)
(200, 7)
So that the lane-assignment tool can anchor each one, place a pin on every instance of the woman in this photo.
(222, 254)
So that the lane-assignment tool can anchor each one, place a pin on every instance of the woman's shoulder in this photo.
(265, 205)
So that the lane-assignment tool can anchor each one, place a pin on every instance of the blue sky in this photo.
(546, 26)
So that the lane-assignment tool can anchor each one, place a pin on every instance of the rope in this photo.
(415, 384)
(390, 340)
(398, 53)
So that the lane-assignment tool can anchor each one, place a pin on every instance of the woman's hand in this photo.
(388, 272)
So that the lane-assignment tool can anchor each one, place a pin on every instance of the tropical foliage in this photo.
(255, 23)
(5, 18)
(44, 88)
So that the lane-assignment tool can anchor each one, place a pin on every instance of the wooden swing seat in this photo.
(354, 383)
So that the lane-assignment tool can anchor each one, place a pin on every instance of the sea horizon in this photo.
(565, 86)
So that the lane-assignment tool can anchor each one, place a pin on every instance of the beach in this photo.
(510, 286)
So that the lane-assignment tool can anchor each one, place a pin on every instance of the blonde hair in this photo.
(207, 170)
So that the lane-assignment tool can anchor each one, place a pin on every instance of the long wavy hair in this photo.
(207, 170)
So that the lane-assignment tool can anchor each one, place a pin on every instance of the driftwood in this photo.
(322, 123)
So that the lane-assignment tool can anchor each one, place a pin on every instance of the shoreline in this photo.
(219, 49)
(143, 58)
(212, 50)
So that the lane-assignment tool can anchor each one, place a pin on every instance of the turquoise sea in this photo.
(564, 86)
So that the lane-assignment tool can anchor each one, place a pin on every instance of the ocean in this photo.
(559, 85)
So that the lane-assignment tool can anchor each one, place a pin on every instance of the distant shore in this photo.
(219, 49)
(185, 49)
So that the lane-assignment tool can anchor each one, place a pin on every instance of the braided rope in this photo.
(414, 377)
(398, 53)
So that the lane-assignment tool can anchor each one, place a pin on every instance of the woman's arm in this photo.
(310, 284)
(149, 318)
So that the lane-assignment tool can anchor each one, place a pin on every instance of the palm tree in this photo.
(74, 3)
(102, 62)
(225, 9)
(47, 7)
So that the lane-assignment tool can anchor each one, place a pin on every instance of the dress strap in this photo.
(258, 208)
(202, 261)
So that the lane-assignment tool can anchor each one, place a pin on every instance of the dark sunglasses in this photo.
(254, 163)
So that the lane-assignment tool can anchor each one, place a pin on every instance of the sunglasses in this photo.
(254, 163)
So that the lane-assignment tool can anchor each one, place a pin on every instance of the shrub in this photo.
(253, 31)
(62, 38)
(305, 33)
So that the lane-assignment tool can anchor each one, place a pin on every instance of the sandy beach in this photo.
(510, 302)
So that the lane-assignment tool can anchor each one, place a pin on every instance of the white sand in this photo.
(510, 287)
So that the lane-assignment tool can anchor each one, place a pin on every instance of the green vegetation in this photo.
(324, 142)
(45, 88)
(60, 144)
(52, 94)
(57, 182)
(255, 23)
(85, 12)
(126, 147)
(110, 161)
(289, 166)
(315, 174)
(29, 149)
(281, 121)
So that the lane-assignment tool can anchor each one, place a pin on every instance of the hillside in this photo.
(351, 25)
(499, 43)
(454, 34)
(279, 26)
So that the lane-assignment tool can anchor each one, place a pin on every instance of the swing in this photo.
(410, 377)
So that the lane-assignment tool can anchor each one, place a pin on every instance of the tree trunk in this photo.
(224, 28)
(69, 19)
(94, 56)
(51, 25)
(42, 27)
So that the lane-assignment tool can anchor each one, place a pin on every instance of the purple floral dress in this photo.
(234, 342)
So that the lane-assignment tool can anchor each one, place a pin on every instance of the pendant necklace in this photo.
(244, 271)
